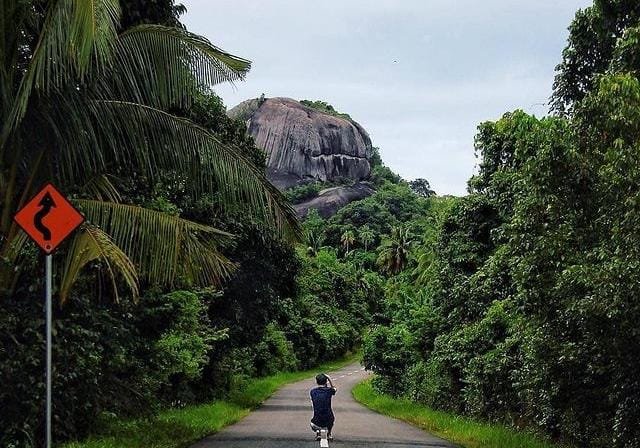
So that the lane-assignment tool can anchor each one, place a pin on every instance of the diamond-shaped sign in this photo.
(48, 218)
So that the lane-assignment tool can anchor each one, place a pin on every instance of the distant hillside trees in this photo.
(422, 188)
(325, 107)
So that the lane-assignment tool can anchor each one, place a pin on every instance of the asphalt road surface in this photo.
(283, 421)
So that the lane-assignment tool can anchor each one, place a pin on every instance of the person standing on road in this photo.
(321, 398)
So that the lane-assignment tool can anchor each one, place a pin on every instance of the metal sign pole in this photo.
(48, 330)
(48, 219)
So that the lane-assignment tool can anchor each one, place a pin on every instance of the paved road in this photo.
(283, 421)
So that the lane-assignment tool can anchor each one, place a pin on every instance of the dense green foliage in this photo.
(127, 359)
(421, 187)
(304, 192)
(527, 310)
(390, 206)
(163, 12)
(602, 38)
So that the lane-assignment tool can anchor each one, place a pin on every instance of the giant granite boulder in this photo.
(330, 200)
(304, 144)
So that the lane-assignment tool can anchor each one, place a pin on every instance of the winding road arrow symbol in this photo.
(47, 203)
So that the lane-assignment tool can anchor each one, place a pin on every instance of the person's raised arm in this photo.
(331, 383)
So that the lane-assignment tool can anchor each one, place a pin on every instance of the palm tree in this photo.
(366, 236)
(395, 250)
(347, 238)
(82, 105)
(314, 242)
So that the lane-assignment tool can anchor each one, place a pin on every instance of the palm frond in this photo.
(162, 246)
(162, 66)
(76, 38)
(93, 31)
(92, 244)
(101, 188)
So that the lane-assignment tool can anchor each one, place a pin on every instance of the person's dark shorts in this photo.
(325, 424)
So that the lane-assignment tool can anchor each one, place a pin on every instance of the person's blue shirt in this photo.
(322, 412)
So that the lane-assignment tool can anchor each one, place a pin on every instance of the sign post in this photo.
(48, 330)
(48, 218)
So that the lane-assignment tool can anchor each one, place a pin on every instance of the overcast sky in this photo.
(419, 75)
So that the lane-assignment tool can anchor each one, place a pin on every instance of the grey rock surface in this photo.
(304, 144)
(330, 200)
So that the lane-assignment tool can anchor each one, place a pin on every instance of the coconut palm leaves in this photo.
(83, 104)
(94, 244)
(347, 239)
(141, 49)
(366, 236)
(63, 43)
(180, 244)
(395, 251)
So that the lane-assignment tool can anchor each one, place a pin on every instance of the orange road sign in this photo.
(48, 218)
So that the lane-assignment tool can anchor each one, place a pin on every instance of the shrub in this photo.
(125, 359)
(274, 353)
(301, 193)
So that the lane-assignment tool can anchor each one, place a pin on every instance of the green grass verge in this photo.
(460, 430)
(178, 428)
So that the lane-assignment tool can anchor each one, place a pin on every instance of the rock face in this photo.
(303, 144)
(330, 200)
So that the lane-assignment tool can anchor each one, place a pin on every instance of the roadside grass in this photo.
(460, 430)
(179, 428)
